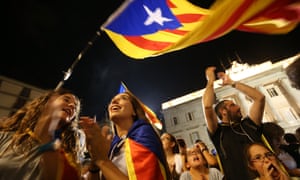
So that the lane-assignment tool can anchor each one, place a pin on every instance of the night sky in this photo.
(43, 38)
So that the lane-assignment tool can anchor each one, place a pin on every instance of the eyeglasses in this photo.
(261, 158)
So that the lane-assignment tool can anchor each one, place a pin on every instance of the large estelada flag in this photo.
(147, 28)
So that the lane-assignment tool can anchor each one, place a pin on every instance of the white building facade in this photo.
(184, 117)
(14, 94)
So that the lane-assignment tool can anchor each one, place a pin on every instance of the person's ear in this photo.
(134, 113)
(187, 165)
(173, 144)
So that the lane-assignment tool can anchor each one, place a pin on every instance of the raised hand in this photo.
(97, 144)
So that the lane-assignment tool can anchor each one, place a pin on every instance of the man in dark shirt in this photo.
(233, 133)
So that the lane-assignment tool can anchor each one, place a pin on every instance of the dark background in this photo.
(43, 38)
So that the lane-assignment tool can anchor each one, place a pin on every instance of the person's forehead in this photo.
(165, 135)
(121, 95)
(66, 95)
(258, 148)
(71, 97)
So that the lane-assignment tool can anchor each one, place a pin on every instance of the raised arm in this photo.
(208, 101)
(210, 158)
(256, 110)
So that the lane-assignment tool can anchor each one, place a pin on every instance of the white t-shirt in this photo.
(214, 174)
(119, 161)
(178, 163)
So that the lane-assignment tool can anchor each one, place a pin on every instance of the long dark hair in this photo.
(141, 115)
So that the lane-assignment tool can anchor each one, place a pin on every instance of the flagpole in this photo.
(70, 70)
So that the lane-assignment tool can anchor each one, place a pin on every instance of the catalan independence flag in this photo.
(148, 111)
(147, 28)
(143, 152)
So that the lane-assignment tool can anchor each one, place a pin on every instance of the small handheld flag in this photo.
(148, 112)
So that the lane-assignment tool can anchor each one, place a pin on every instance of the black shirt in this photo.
(230, 141)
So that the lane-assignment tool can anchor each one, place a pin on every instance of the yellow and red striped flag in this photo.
(147, 28)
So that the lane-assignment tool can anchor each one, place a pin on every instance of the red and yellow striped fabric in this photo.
(142, 163)
(162, 35)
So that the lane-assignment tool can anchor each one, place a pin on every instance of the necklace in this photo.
(243, 133)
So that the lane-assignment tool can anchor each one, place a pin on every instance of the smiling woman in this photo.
(44, 38)
(39, 141)
(134, 138)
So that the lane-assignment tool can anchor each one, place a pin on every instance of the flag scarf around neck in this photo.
(143, 152)
(148, 111)
(148, 28)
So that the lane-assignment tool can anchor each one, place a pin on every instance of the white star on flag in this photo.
(155, 16)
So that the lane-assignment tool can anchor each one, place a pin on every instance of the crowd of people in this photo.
(42, 140)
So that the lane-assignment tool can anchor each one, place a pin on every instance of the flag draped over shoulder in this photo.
(148, 111)
(147, 28)
(144, 154)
